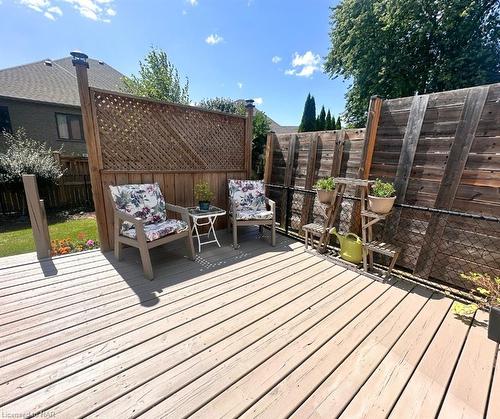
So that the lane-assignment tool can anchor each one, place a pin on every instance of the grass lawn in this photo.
(16, 239)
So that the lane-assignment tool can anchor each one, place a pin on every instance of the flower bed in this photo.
(65, 246)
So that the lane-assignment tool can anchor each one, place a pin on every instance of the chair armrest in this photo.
(271, 204)
(136, 221)
(180, 210)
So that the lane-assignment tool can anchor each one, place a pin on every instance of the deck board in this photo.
(258, 331)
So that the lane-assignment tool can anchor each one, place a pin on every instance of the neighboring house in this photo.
(43, 98)
(282, 129)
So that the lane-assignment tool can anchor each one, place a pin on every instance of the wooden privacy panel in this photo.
(145, 135)
(137, 140)
(298, 160)
(443, 151)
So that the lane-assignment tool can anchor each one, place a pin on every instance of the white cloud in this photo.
(240, 84)
(213, 39)
(184, 13)
(276, 59)
(258, 100)
(92, 9)
(193, 2)
(304, 65)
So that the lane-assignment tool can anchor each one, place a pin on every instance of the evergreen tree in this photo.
(308, 122)
(328, 121)
(321, 121)
(338, 125)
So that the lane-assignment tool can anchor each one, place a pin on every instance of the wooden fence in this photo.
(136, 140)
(298, 160)
(73, 189)
(442, 152)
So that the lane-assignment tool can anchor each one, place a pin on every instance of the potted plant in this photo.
(325, 188)
(487, 289)
(203, 195)
(382, 197)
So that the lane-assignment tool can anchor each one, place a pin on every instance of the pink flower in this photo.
(90, 243)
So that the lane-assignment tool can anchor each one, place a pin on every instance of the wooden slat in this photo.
(467, 394)
(370, 137)
(176, 373)
(405, 164)
(381, 391)
(422, 396)
(309, 181)
(493, 410)
(457, 158)
(354, 358)
(268, 168)
(288, 176)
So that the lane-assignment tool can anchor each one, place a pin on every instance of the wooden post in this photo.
(367, 153)
(288, 177)
(268, 168)
(370, 137)
(455, 165)
(93, 149)
(405, 164)
(310, 175)
(38, 218)
(338, 153)
(249, 136)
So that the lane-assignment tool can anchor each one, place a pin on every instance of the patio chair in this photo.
(140, 217)
(248, 205)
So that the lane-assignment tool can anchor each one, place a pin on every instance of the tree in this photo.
(158, 79)
(338, 125)
(321, 121)
(308, 122)
(223, 104)
(395, 48)
(328, 121)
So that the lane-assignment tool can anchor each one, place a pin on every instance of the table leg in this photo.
(195, 228)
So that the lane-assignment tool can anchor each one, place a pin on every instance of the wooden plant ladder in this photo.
(368, 219)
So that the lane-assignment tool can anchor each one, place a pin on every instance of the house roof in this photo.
(54, 81)
(282, 129)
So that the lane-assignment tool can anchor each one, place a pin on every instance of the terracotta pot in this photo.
(325, 197)
(494, 324)
(380, 205)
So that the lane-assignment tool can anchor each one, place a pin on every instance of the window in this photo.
(69, 127)
(5, 119)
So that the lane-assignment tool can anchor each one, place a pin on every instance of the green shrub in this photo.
(325, 184)
(202, 192)
(383, 189)
(23, 155)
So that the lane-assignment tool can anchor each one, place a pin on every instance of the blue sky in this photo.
(266, 49)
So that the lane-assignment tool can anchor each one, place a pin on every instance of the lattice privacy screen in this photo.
(142, 135)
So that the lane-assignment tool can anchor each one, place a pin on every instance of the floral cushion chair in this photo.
(140, 217)
(248, 205)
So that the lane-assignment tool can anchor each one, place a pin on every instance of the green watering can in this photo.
(351, 246)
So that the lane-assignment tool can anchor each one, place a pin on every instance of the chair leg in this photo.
(147, 267)
(235, 234)
(273, 234)
(261, 229)
(190, 247)
(118, 249)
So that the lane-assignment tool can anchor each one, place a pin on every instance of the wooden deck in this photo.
(261, 331)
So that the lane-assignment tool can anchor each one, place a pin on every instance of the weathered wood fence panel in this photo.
(298, 160)
(442, 150)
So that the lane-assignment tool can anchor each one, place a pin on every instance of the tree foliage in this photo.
(338, 125)
(321, 121)
(328, 121)
(24, 155)
(158, 79)
(395, 48)
(308, 122)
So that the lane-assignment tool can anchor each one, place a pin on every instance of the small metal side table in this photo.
(210, 217)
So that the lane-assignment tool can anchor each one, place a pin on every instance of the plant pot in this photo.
(494, 324)
(380, 205)
(204, 205)
(325, 197)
